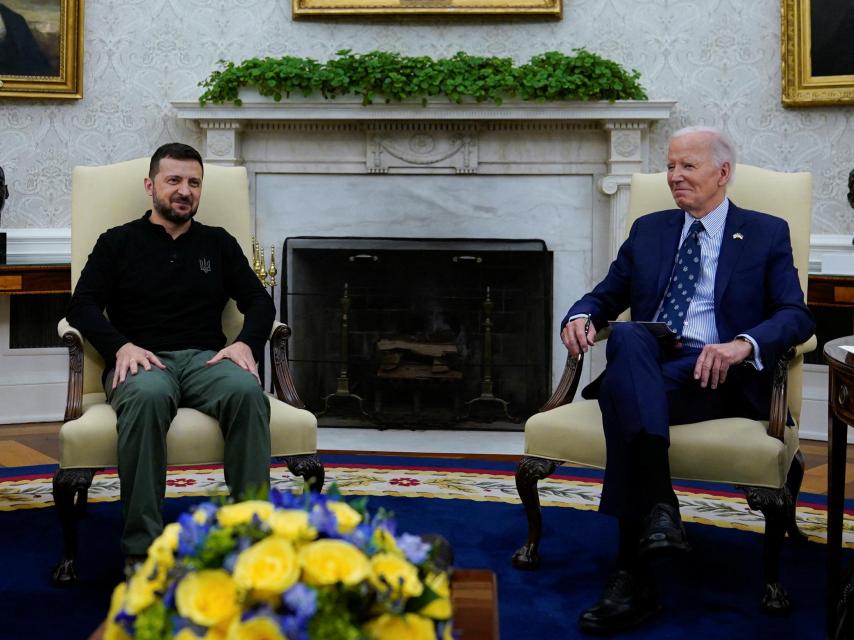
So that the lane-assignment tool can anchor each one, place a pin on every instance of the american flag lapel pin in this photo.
(737, 236)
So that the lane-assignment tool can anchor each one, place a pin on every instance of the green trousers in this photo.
(145, 405)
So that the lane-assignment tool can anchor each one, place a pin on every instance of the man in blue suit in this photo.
(723, 280)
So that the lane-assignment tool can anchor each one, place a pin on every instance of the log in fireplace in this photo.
(419, 332)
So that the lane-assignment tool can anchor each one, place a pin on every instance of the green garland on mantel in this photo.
(391, 77)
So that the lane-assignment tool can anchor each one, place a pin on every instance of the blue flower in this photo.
(440, 628)
(264, 610)
(386, 520)
(295, 628)
(192, 535)
(229, 561)
(285, 500)
(179, 623)
(169, 596)
(209, 510)
(324, 521)
(301, 603)
(413, 547)
(124, 619)
(361, 536)
(302, 600)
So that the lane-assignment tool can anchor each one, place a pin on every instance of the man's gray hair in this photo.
(722, 148)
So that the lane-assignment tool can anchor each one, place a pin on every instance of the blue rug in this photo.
(711, 593)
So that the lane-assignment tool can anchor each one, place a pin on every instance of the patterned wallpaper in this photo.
(719, 58)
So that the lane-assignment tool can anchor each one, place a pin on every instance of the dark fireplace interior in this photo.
(437, 333)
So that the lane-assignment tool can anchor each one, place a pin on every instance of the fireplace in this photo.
(420, 332)
(335, 168)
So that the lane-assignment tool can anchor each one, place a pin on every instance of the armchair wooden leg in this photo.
(793, 482)
(776, 505)
(68, 483)
(309, 467)
(528, 472)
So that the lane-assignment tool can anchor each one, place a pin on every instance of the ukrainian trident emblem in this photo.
(204, 265)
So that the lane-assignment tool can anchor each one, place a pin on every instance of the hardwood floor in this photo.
(22, 445)
(38, 443)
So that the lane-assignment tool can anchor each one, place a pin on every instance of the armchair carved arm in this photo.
(568, 385)
(283, 382)
(780, 386)
(73, 341)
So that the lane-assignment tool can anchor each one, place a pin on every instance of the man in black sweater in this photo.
(164, 280)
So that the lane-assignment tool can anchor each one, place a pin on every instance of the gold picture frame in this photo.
(48, 52)
(313, 8)
(812, 75)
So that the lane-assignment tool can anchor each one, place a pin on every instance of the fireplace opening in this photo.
(423, 333)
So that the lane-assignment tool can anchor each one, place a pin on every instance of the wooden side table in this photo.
(840, 414)
(24, 277)
(829, 290)
(474, 596)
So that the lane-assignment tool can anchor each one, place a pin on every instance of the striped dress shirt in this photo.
(700, 328)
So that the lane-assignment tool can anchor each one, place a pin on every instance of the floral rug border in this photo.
(447, 484)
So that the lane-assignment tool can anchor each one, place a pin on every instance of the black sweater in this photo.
(167, 295)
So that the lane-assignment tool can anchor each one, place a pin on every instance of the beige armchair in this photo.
(103, 197)
(761, 457)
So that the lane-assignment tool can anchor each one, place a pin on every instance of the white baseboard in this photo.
(33, 402)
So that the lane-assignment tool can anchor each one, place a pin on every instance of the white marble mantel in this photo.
(559, 172)
(256, 107)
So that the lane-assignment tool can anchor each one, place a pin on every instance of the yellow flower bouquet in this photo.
(309, 567)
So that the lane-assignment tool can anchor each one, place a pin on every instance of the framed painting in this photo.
(41, 49)
(817, 52)
(309, 8)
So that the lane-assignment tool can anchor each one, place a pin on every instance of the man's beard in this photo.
(167, 212)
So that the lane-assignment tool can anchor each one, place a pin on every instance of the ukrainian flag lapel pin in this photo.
(737, 236)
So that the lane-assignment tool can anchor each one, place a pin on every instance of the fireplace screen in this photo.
(419, 333)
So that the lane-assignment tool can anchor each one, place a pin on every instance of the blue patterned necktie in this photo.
(686, 273)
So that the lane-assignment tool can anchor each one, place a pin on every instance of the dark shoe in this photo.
(663, 530)
(625, 603)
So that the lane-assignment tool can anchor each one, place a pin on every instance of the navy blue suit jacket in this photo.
(757, 291)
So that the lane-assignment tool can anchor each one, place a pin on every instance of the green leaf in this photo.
(393, 77)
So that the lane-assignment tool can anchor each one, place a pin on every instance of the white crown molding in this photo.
(831, 242)
(50, 245)
(257, 107)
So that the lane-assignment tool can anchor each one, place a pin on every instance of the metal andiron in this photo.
(486, 406)
(342, 402)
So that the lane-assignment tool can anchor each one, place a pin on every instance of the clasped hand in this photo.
(129, 358)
